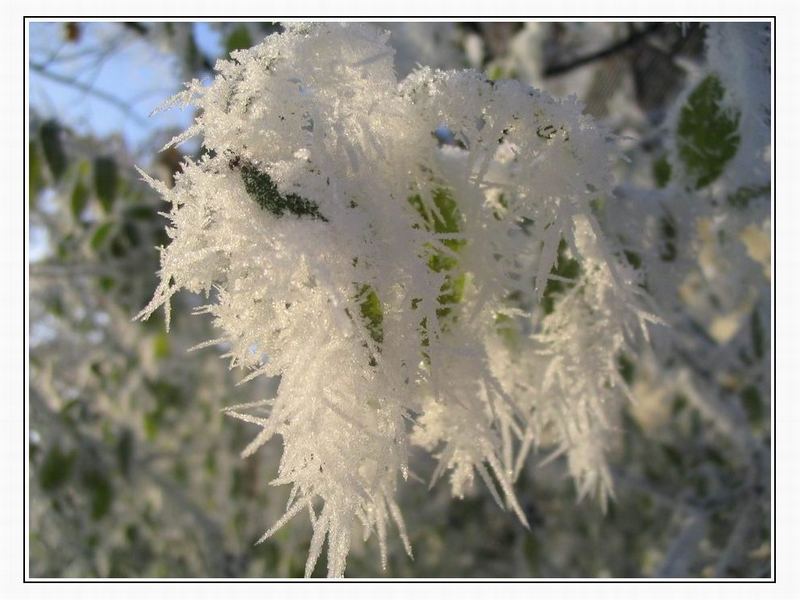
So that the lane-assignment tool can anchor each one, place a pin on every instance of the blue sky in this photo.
(134, 70)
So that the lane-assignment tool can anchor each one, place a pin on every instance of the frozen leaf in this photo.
(707, 133)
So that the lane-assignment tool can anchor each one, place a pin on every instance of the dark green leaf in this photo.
(166, 394)
(193, 56)
(100, 235)
(742, 197)
(125, 449)
(263, 190)
(679, 403)
(50, 134)
(662, 171)
(669, 233)
(56, 468)
(673, 454)
(238, 39)
(106, 283)
(140, 212)
(35, 175)
(118, 246)
(715, 457)
(101, 492)
(757, 335)
(55, 306)
(131, 233)
(626, 368)
(707, 133)
(633, 259)
(180, 472)
(105, 181)
(210, 462)
(753, 406)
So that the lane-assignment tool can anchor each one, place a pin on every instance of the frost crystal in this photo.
(417, 260)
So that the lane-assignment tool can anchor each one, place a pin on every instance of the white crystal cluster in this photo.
(392, 249)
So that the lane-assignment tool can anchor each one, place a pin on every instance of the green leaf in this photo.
(35, 175)
(506, 329)
(79, 199)
(532, 552)
(100, 235)
(84, 169)
(757, 335)
(105, 181)
(753, 406)
(569, 268)
(679, 403)
(56, 469)
(262, 189)
(372, 312)
(210, 462)
(140, 212)
(166, 394)
(161, 346)
(451, 292)
(673, 454)
(446, 218)
(151, 422)
(66, 246)
(193, 56)
(168, 397)
(118, 246)
(106, 283)
(238, 39)
(707, 133)
(55, 306)
(669, 233)
(131, 233)
(633, 259)
(626, 368)
(662, 171)
(101, 492)
(50, 134)
(125, 450)
(496, 73)
(742, 197)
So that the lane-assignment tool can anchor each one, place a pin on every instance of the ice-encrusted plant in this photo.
(418, 261)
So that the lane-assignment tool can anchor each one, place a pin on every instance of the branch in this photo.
(117, 103)
(628, 42)
(684, 546)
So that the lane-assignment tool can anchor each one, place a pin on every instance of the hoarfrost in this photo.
(389, 249)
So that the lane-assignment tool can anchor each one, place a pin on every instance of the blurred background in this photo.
(134, 471)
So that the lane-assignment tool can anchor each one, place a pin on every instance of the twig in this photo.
(736, 541)
(684, 546)
(631, 40)
(101, 95)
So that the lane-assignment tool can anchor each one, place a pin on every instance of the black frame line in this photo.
(199, 18)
